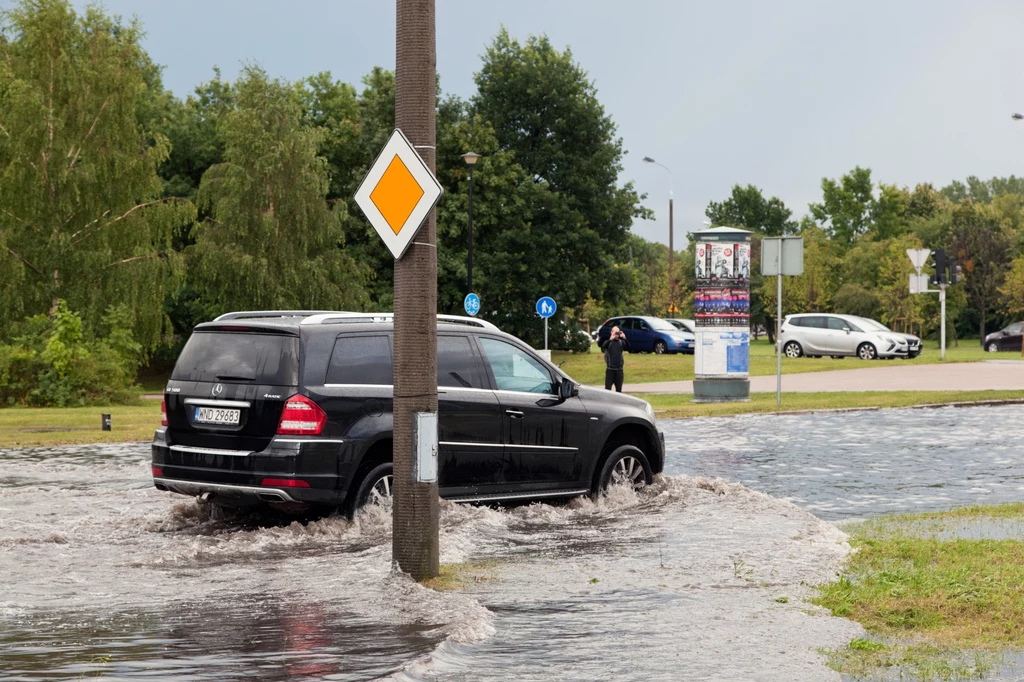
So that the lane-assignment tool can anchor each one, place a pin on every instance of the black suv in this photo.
(294, 409)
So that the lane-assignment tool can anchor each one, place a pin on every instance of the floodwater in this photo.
(698, 577)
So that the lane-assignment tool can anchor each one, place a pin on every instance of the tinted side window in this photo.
(630, 323)
(239, 356)
(457, 363)
(817, 322)
(795, 322)
(837, 323)
(514, 369)
(360, 360)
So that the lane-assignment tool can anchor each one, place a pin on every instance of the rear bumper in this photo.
(304, 470)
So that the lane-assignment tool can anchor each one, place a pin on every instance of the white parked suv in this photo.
(816, 334)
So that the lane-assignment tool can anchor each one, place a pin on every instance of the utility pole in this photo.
(415, 516)
(671, 252)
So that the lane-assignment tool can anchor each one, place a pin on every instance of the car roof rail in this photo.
(355, 318)
(253, 314)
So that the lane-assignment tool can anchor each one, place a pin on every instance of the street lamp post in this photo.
(671, 244)
(470, 158)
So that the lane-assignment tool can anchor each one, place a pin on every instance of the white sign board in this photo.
(918, 284)
(918, 257)
(782, 256)
(398, 193)
(722, 352)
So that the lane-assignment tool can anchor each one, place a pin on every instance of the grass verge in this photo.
(680, 405)
(588, 368)
(457, 576)
(941, 608)
(33, 426)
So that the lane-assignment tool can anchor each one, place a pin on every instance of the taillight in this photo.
(284, 483)
(157, 472)
(163, 412)
(301, 417)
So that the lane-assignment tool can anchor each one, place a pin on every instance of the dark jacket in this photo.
(613, 350)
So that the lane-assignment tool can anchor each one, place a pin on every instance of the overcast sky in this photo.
(777, 94)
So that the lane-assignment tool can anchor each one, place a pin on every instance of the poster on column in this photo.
(722, 352)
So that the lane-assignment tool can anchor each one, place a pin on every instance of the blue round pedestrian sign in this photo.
(471, 304)
(546, 306)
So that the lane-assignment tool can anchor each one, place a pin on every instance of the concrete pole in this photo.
(671, 253)
(415, 518)
(778, 339)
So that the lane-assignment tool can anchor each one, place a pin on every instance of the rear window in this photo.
(234, 356)
(361, 360)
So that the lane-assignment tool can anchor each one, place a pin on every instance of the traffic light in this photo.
(955, 271)
(940, 267)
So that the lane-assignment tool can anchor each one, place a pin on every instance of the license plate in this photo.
(217, 415)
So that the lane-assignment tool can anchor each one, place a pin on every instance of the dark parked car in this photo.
(1004, 339)
(648, 334)
(294, 409)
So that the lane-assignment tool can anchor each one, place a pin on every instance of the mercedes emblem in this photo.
(217, 390)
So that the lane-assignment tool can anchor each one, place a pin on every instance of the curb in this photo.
(868, 408)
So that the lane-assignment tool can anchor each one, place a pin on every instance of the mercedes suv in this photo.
(294, 409)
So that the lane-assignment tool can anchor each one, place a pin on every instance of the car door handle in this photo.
(515, 414)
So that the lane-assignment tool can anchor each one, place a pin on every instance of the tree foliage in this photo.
(81, 212)
(747, 208)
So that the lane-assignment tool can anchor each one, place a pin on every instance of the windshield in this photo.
(872, 325)
(660, 324)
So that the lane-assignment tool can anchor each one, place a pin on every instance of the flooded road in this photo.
(696, 578)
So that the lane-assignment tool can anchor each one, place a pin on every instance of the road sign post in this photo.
(919, 284)
(546, 307)
(781, 256)
(398, 196)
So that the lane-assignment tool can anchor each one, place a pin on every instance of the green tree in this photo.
(1012, 290)
(981, 244)
(747, 208)
(846, 206)
(82, 217)
(545, 111)
(270, 240)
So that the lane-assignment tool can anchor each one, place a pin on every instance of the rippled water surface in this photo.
(695, 578)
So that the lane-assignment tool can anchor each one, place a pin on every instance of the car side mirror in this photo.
(567, 389)
(846, 329)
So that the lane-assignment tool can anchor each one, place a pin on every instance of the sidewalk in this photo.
(885, 375)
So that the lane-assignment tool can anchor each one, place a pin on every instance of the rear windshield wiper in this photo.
(232, 377)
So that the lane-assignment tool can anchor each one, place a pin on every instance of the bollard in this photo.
(106, 422)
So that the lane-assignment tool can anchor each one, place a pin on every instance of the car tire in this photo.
(660, 347)
(992, 347)
(792, 349)
(621, 463)
(867, 351)
(375, 486)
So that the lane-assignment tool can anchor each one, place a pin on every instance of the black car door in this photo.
(471, 451)
(543, 435)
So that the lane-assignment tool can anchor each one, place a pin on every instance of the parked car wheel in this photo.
(792, 350)
(867, 351)
(837, 357)
(375, 487)
(624, 464)
(660, 347)
(992, 347)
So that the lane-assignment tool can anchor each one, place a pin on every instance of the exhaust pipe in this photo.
(206, 497)
(272, 497)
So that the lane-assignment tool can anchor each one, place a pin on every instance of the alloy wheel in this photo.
(992, 348)
(867, 352)
(380, 493)
(628, 470)
(659, 347)
(792, 350)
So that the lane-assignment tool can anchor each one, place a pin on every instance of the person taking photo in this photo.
(614, 346)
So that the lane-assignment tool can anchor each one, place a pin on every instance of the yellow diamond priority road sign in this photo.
(397, 193)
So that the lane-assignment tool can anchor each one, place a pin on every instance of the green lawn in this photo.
(588, 368)
(935, 608)
(29, 426)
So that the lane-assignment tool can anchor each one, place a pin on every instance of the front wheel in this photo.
(375, 488)
(626, 464)
(660, 347)
(992, 347)
(866, 351)
(792, 350)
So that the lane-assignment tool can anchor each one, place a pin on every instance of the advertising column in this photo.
(721, 364)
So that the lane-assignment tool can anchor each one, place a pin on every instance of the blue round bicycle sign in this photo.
(471, 304)
(546, 306)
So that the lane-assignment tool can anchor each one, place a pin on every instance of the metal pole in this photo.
(942, 331)
(414, 545)
(545, 333)
(671, 252)
(469, 254)
(778, 339)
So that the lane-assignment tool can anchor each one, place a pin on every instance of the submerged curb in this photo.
(866, 408)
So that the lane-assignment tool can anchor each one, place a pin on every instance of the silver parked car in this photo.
(816, 334)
